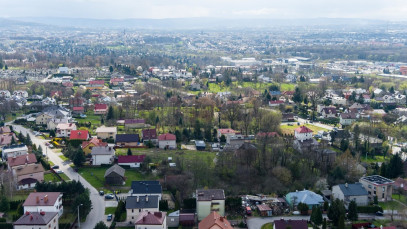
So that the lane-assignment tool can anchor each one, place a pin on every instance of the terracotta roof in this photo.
(348, 115)
(79, 135)
(5, 129)
(214, 220)
(263, 207)
(166, 137)
(131, 159)
(303, 129)
(100, 106)
(95, 141)
(42, 199)
(112, 80)
(29, 169)
(150, 218)
(66, 126)
(22, 160)
(276, 102)
(35, 218)
(6, 139)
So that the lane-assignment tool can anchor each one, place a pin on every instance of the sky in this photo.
(394, 10)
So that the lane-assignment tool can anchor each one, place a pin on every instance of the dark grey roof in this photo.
(35, 218)
(117, 169)
(137, 202)
(210, 194)
(102, 150)
(200, 143)
(356, 189)
(146, 187)
(377, 180)
(127, 138)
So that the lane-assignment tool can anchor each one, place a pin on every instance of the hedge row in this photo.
(6, 226)
(369, 209)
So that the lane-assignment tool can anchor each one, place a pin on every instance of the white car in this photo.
(58, 171)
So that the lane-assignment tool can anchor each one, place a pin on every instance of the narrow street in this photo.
(98, 204)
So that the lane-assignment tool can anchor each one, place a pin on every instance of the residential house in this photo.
(78, 110)
(187, 218)
(359, 108)
(389, 99)
(307, 197)
(173, 219)
(54, 122)
(328, 112)
(116, 81)
(64, 70)
(28, 175)
(127, 140)
(351, 192)
(5, 130)
(264, 210)
(134, 123)
(226, 132)
(143, 188)
(100, 109)
(378, 92)
(43, 119)
(14, 151)
(400, 183)
(200, 145)
(88, 145)
(276, 103)
(63, 130)
(76, 102)
(134, 161)
(151, 220)
(209, 200)
(44, 202)
(21, 93)
(104, 132)
(5, 94)
(82, 135)
(167, 141)
(96, 85)
(137, 204)
(291, 223)
(346, 119)
(7, 138)
(287, 117)
(214, 221)
(37, 220)
(378, 186)
(115, 175)
(149, 135)
(339, 101)
(303, 133)
(27, 159)
(400, 99)
(366, 98)
(102, 155)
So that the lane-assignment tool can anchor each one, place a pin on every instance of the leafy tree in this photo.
(316, 215)
(100, 225)
(87, 94)
(79, 158)
(222, 138)
(303, 208)
(336, 211)
(129, 152)
(352, 211)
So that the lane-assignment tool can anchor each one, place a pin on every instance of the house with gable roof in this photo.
(37, 220)
(303, 133)
(44, 202)
(167, 141)
(351, 192)
(214, 220)
(151, 220)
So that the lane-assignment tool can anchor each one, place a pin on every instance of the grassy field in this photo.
(286, 129)
(267, 226)
(402, 198)
(391, 205)
(63, 158)
(53, 178)
(374, 160)
(110, 210)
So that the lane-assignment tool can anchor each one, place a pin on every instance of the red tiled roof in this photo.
(303, 129)
(400, 182)
(150, 218)
(97, 82)
(149, 134)
(21, 160)
(78, 108)
(5, 139)
(214, 220)
(131, 159)
(166, 137)
(288, 92)
(95, 141)
(100, 106)
(79, 135)
(44, 199)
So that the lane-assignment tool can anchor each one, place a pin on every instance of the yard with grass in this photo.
(63, 158)
(391, 205)
(110, 210)
(376, 159)
(267, 226)
(286, 129)
(54, 178)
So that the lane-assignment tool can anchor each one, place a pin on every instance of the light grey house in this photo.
(348, 192)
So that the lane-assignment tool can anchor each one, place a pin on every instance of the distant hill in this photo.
(193, 23)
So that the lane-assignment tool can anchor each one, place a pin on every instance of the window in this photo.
(132, 217)
(383, 189)
(172, 220)
(132, 210)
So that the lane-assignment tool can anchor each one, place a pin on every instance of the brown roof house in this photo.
(215, 221)
(21, 160)
(209, 200)
(44, 202)
(46, 220)
(26, 176)
(151, 220)
(115, 175)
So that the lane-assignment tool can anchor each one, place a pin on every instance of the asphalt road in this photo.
(98, 203)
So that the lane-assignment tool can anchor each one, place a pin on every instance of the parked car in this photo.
(109, 217)
(59, 171)
(101, 192)
(109, 196)
(55, 167)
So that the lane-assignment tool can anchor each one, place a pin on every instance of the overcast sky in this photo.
(284, 9)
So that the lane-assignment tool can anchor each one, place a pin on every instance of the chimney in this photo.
(146, 198)
(137, 199)
(346, 185)
(37, 199)
(42, 213)
(221, 219)
(46, 198)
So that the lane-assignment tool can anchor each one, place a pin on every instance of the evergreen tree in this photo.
(21, 137)
(28, 141)
(383, 170)
(109, 113)
(324, 224)
(52, 133)
(4, 204)
(341, 223)
(129, 152)
(352, 211)
(316, 215)
(297, 97)
(79, 158)
(356, 133)
(335, 211)
(13, 141)
(111, 69)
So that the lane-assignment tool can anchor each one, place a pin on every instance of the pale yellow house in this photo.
(104, 132)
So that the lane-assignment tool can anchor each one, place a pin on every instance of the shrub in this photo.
(369, 209)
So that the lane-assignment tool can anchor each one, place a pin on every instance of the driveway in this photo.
(98, 204)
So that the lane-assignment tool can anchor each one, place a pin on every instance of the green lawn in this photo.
(267, 226)
(53, 178)
(402, 198)
(290, 129)
(110, 210)
(63, 158)
(374, 160)
(391, 205)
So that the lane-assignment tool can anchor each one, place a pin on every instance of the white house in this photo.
(44, 202)
(21, 93)
(167, 141)
(351, 192)
(14, 151)
(63, 130)
(37, 220)
(346, 119)
(338, 101)
(102, 155)
(303, 133)
(389, 99)
(5, 94)
(209, 200)
(328, 112)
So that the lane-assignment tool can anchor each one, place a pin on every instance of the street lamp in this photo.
(79, 220)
